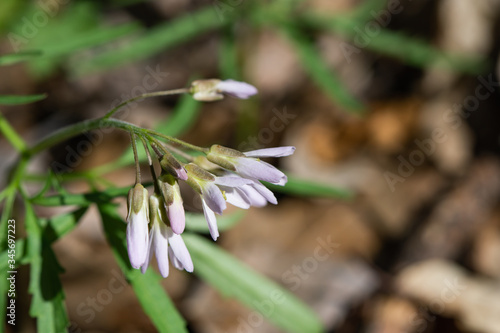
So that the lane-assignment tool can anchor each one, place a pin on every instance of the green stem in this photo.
(75, 129)
(147, 95)
(136, 158)
(177, 141)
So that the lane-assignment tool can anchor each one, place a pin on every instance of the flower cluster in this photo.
(220, 176)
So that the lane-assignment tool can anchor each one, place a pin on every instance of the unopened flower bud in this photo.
(170, 165)
(248, 164)
(137, 228)
(171, 193)
(198, 177)
(224, 157)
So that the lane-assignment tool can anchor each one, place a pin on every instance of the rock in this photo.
(448, 145)
(393, 314)
(448, 290)
(486, 249)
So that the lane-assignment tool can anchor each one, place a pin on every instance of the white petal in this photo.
(161, 249)
(237, 89)
(236, 197)
(177, 216)
(137, 239)
(252, 168)
(271, 152)
(232, 181)
(177, 264)
(255, 198)
(180, 250)
(211, 220)
(213, 197)
(265, 192)
(149, 253)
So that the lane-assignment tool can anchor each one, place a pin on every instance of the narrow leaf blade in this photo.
(47, 303)
(233, 279)
(307, 188)
(20, 99)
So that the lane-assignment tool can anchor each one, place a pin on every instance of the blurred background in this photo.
(393, 103)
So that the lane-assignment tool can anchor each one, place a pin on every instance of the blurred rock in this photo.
(466, 28)
(446, 289)
(455, 220)
(394, 314)
(449, 146)
(390, 125)
(486, 250)
(472, 36)
(395, 210)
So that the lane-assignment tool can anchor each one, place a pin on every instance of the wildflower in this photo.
(214, 89)
(137, 227)
(164, 242)
(173, 202)
(248, 164)
(212, 198)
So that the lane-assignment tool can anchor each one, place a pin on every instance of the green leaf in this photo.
(408, 49)
(20, 99)
(198, 223)
(14, 58)
(20, 255)
(159, 39)
(4, 287)
(155, 302)
(307, 188)
(72, 30)
(233, 279)
(11, 135)
(229, 66)
(319, 70)
(47, 303)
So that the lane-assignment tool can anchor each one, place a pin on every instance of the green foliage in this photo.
(399, 45)
(75, 29)
(197, 222)
(18, 99)
(158, 39)
(307, 188)
(320, 71)
(14, 58)
(11, 135)
(233, 279)
(47, 304)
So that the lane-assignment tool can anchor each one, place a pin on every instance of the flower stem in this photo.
(75, 129)
(177, 141)
(146, 95)
(136, 158)
(151, 166)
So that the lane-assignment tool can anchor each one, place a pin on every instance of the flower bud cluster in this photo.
(223, 175)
